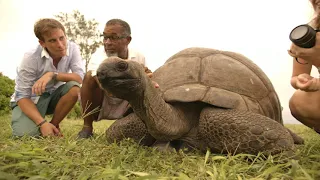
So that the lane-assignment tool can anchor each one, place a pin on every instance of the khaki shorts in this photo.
(22, 125)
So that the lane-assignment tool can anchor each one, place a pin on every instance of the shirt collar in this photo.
(45, 53)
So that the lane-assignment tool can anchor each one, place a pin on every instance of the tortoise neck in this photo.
(149, 103)
(159, 117)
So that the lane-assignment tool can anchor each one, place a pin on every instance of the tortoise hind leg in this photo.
(129, 127)
(233, 131)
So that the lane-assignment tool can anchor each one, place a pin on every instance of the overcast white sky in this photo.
(255, 28)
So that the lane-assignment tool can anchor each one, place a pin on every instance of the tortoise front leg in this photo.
(233, 131)
(129, 127)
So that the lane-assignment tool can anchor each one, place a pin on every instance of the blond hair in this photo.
(43, 26)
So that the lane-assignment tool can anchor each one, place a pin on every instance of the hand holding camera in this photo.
(305, 43)
(303, 36)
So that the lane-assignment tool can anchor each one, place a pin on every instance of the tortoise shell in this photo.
(220, 78)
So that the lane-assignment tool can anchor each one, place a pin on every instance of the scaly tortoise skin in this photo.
(207, 99)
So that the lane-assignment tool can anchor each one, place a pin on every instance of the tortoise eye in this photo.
(122, 66)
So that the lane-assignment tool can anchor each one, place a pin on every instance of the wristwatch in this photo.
(54, 77)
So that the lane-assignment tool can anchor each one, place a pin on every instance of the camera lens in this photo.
(303, 36)
(299, 32)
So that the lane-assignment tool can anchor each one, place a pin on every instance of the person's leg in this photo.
(91, 98)
(22, 124)
(305, 107)
(63, 100)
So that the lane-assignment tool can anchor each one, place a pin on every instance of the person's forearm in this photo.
(29, 109)
(66, 77)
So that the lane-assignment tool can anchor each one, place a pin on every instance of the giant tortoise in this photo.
(208, 99)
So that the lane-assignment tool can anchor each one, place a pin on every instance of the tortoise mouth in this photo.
(120, 83)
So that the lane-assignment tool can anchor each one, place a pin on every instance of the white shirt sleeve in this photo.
(137, 56)
(96, 60)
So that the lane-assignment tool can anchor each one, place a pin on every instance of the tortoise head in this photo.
(122, 78)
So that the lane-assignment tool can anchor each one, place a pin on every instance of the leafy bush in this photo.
(6, 90)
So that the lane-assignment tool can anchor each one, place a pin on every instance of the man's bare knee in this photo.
(89, 81)
(74, 92)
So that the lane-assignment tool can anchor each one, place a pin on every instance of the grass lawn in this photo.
(68, 158)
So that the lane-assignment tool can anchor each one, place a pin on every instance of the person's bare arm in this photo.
(39, 86)
(299, 69)
(66, 77)
(30, 110)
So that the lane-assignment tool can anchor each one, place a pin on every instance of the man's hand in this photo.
(307, 83)
(149, 73)
(39, 86)
(156, 85)
(48, 129)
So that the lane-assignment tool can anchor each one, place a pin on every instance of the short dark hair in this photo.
(42, 26)
(124, 24)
